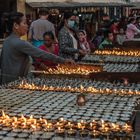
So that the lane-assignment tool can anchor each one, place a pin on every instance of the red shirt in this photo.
(47, 63)
(113, 29)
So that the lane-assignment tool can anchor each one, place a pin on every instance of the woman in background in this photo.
(84, 45)
(48, 46)
(131, 30)
(68, 43)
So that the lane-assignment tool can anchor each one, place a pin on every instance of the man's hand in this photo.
(69, 61)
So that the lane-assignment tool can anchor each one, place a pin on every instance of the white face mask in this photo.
(71, 23)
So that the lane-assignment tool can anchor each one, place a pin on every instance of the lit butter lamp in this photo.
(104, 129)
(48, 127)
(92, 125)
(93, 129)
(60, 123)
(60, 131)
(71, 132)
(94, 133)
(70, 129)
(81, 100)
(59, 127)
(82, 129)
(102, 125)
(127, 129)
(118, 52)
(115, 129)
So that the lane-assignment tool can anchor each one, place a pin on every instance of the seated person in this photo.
(98, 38)
(120, 38)
(131, 30)
(48, 46)
(107, 41)
(84, 44)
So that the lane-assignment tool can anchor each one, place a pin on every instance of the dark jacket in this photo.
(66, 46)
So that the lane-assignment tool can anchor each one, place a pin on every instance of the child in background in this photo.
(50, 47)
(107, 41)
(120, 38)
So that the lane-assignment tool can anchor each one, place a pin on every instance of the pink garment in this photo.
(131, 31)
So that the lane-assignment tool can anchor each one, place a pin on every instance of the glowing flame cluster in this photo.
(61, 124)
(81, 89)
(118, 52)
(72, 69)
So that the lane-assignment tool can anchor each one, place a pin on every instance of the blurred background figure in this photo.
(114, 28)
(99, 37)
(120, 38)
(39, 27)
(84, 45)
(131, 30)
(108, 41)
(123, 23)
(49, 46)
(105, 23)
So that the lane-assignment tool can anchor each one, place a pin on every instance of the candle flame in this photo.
(61, 119)
(34, 124)
(46, 123)
(33, 127)
(91, 124)
(31, 117)
(59, 128)
(102, 121)
(69, 123)
(15, 119)
(3, 114)
(118, 52)
(79, 125)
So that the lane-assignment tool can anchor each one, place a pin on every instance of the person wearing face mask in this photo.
(50, 47)
(67, 39)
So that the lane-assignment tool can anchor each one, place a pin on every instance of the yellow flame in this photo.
(33, 127)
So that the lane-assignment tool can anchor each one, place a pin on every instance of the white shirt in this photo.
(75, 44)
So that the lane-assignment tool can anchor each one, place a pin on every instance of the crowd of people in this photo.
(110, 32)
(48, 48)
(116, 32)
